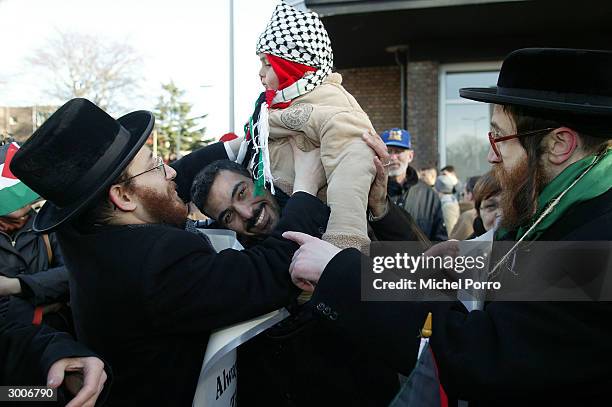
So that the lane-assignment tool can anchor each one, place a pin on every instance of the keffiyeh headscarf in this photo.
(298, 37)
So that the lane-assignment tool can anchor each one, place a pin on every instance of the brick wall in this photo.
(377, 89)
(378, 92)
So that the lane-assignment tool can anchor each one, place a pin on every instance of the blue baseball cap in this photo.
(397, 138)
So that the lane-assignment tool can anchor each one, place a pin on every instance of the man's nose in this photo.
(244, 210)
(492, 158)
(170, 172)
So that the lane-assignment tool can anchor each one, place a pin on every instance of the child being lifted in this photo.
(304, 99)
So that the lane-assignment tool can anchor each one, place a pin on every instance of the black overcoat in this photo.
(146, 297)
(302, 362)
(43, 281)
(28, 351)
(511, 353)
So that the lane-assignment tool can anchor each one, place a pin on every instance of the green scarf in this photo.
(596, 182)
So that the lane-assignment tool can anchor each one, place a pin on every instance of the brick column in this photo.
(423, 112)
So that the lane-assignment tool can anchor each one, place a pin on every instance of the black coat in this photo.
(24, 256)
(511, 353)
(421, 202)
(27, 352)
(302, 362)
(146, 297)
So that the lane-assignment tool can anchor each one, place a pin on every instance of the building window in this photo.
(464, 123)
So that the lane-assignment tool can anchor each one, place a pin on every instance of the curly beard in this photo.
(166, 208)
(520, 189)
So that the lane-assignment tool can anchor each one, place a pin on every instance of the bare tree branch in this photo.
(83, 65)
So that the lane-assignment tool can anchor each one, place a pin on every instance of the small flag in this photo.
(422, 388)
(14, 194)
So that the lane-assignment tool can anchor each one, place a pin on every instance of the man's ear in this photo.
(410, 156)
(561, 145)
(122, 198)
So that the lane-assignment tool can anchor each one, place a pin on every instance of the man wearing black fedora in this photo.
(146, 293)
(550, 149)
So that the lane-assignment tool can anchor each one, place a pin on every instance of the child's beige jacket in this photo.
(330, 118)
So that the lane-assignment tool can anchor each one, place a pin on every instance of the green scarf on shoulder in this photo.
(596, 182)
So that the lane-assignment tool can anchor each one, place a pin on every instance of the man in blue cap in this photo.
(407, 191)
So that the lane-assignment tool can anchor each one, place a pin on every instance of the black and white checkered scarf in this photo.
(298, 36)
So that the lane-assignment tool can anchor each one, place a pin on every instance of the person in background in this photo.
(32, 271)
(451, 172)
(428, 175)
(487, 193)
(448, 201)
(407, 191)
(464, 227)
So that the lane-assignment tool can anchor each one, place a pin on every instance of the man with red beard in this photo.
(550, 147)
(145, 292)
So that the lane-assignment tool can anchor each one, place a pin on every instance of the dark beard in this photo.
(520, 189)
(164, 208)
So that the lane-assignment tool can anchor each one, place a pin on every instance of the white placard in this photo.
(218, 380)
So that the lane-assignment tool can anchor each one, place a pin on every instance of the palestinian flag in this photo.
(422, 388)
(14, 194)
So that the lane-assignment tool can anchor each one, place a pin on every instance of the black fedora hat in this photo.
(75, 155)
(574, 81)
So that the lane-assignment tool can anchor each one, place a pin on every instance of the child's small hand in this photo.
(309, 172)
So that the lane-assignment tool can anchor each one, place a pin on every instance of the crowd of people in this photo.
(110, 292)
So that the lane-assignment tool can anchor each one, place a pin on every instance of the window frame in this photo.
(463, 67)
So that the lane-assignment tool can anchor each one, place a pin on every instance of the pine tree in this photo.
(177, 132)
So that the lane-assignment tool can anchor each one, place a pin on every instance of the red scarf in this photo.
(288, 73)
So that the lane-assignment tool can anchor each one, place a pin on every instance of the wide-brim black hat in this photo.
(75, 155)
(574, 81)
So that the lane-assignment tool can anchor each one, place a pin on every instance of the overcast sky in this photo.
(183, 40)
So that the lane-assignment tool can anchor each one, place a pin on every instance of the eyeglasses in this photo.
(493, 140)
(160, 166)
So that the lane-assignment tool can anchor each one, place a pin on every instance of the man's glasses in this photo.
(159, 166)
(493, 140)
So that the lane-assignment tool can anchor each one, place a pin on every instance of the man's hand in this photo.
(309, 260)
(377, 199)
(9, 286)
(443, 249)
(309, 172)
(85, 378)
